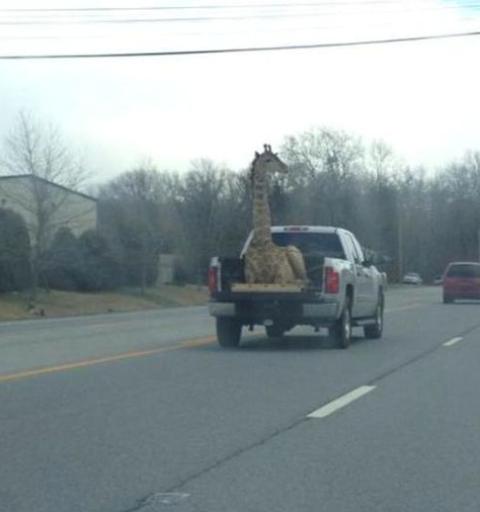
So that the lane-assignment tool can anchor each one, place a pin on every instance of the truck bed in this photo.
(253, 303)
(233, 277)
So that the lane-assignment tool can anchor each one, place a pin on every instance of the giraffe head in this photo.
(268, 162)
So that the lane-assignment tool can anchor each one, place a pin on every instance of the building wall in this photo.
(71, 210)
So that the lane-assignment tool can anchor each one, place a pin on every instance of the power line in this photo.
(202, 7)
(270, 30)
(367, 42)
(177, 19)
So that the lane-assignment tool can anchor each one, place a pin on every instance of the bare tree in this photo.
(381, 161)
(40, 154)
(133, 201)
(199, 198)
(324, 166)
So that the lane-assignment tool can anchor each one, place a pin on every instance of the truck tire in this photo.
(274, 331)
(229, 331)
(341, 331)
(374, 331)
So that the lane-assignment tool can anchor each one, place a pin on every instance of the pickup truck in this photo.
(343, 289)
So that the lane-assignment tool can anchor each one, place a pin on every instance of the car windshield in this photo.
(464, 270)
(321, 244)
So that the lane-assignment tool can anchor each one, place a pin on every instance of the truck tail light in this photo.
(332, 280)
(212, 280)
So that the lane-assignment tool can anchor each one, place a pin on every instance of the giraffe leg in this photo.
(283, 271)
(296, 261)
(255, 266)
(251, 269)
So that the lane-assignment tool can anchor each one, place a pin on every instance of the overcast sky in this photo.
(422, 98)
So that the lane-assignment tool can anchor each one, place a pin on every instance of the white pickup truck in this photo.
(343, 290)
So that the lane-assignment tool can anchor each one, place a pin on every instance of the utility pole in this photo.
(478, 239)
(400, 246)
(399, 239)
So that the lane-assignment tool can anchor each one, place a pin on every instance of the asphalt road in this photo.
(142, 412)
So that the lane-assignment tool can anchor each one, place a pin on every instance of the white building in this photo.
(35, 198)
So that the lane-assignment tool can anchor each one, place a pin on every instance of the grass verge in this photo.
(56, 303)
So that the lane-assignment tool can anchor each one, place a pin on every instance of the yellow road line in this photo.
(198, 342)
(413, 305)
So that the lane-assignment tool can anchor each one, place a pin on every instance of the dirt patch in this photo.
(15, 306)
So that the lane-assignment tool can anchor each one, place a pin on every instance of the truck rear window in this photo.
(321, 244)
(464, 271)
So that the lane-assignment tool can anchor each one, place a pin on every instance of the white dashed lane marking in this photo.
(341, 402)
(453, 341)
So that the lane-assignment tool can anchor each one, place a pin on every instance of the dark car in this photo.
(461, 281)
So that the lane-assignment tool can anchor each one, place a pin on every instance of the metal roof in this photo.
(53, 184)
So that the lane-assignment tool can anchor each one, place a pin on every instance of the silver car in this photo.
(412, 278)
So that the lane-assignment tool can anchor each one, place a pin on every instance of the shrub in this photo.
(101, 270)
(63, 262)
(14, 252)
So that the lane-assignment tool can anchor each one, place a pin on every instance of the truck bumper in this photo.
(310, 312)
(327, 310)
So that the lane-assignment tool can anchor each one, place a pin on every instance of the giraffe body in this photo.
(266, 262)
(269, 265)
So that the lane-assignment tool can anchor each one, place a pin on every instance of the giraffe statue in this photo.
(266, 262)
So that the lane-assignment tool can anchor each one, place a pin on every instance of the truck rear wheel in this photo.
(229, 332)
(374, 331)
(341, 331)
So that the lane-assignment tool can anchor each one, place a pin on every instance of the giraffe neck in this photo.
(261, 211)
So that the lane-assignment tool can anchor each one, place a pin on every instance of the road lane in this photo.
(36, 372)
(412, 445)
(36, 343)
(102, 438)
(25, 345)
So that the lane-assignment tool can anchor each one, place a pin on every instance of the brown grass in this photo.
(14, 306)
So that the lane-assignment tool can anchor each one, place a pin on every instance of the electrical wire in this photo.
(210, 6)
(195, 19)
(366, 42)
(465, 20)
(263, 16)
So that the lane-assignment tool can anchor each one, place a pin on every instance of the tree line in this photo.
(413, 220)
(417, 221)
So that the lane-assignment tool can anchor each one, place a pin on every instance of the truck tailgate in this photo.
(233, 275)
(268, 288)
